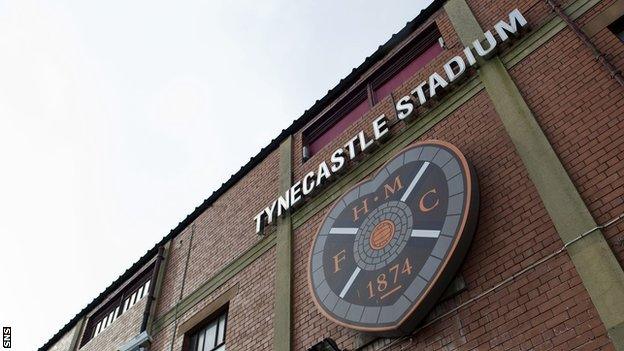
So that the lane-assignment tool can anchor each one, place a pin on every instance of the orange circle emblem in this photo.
(382, 234)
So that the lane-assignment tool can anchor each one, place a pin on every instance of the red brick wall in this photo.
(489, 12)
(249, 325)
(581, 110)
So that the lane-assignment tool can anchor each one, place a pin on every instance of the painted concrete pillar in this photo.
(282, 323)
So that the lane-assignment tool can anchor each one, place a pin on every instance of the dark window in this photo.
(209, 336)
(617, 28)
(408, 62)
(400, 68)
(118, 305)
(336, 122)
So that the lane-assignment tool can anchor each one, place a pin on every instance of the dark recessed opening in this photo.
(403, 65)
(617, 28)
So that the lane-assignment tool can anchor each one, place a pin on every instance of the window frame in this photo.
(366, 89)
(334, 115)
(410, 52)
(115, 304)
(191, 334)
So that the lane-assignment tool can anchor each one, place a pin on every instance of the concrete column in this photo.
(77, 333)
(596, 264)
(282, 323)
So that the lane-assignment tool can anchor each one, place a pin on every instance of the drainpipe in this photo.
(152, 288)
(599, 56)
(142, 341)
(188, 258)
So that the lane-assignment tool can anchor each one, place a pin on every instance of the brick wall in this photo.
(249, 325)
(581, 111)
(489, 12)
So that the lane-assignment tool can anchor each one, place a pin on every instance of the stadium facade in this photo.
(463, 188)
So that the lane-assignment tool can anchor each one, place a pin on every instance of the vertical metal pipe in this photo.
(188, 257)
(600, 57)
(152, 288)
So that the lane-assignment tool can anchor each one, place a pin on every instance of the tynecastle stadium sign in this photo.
(390, 245)
(454, 70)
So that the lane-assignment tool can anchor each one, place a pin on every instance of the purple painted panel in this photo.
(380, 93)
(408, 71)
(339, 127)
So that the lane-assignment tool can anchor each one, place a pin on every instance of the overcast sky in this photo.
(117, 118)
